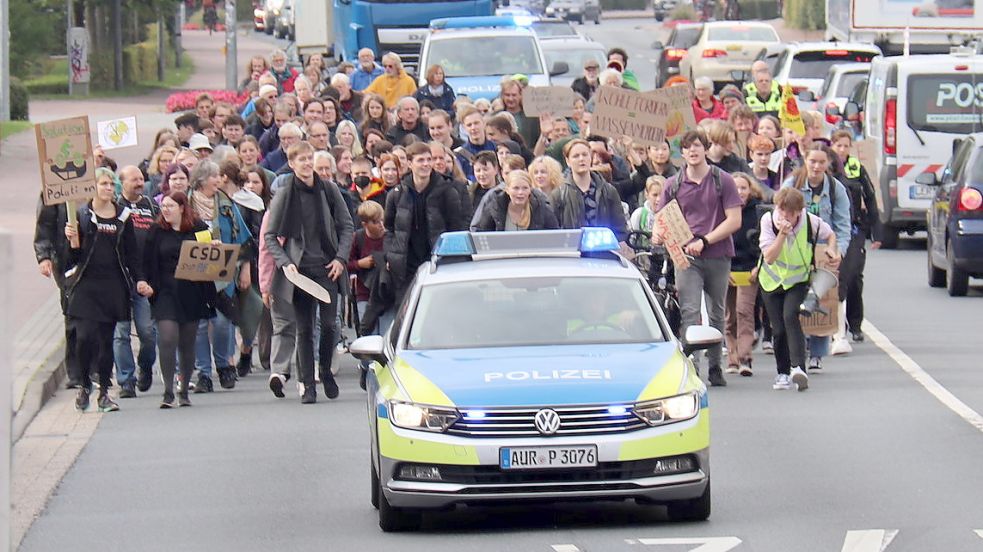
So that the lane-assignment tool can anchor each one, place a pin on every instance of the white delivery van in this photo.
(915, 107)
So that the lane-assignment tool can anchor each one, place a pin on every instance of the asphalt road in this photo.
(636, 37)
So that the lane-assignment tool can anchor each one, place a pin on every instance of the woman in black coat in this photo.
(177, 305)
(518, 207)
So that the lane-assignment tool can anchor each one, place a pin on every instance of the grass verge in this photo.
(9, 128)
(174, 77)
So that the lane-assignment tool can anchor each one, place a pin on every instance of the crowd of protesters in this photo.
(348, 178)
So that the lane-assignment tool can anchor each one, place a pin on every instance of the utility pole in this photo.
(231, 54)
(178, 24)
(117, 45)
(4, 60)
(69, 23)
(160, 44)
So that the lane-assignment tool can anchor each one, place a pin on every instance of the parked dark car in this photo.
(683, 36)
(955, 219)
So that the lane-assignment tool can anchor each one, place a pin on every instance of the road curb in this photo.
(45, 382)
(39, 363)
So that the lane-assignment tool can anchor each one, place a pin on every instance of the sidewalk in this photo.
(34, 311)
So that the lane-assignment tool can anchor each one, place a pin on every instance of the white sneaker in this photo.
(731, 370)
(767, 347)
(800, 379)
(745, 370)
(782, 383)
(815, 364)
(841, 346)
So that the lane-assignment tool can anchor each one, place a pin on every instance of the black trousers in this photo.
(787, 336)
(176, 341)
(852, 281)
(93, 351)
(305, 308)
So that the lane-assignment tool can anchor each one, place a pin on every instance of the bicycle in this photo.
(654, 263)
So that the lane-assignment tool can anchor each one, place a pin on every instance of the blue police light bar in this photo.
(480, 22)
(595, 240)
(454, 244)
(531, 243)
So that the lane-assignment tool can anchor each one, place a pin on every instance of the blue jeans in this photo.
(122, 348)
(220, 345)
(818, 346)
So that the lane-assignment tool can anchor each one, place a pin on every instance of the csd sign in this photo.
(207, 262)
(963, 94)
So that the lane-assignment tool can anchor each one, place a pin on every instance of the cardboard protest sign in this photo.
(619, 112)
(207, 262)
(68, 170)
(117, 133)
(680, 102)
(675, 232)
(820, 324)
(866, 152)
(555, 100)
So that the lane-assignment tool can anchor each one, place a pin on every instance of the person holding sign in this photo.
(103, 263)
(313, 219)
(177, 305)
(711, 206)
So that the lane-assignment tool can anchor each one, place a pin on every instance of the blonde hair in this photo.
(752, 182)
(656, 181)
(369, 211)
(722, 133)
(515, 162)
(516, 176)
(553, 169)
(357, 149)
(154, 167)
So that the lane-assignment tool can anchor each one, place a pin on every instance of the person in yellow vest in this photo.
(787, 249)
(762, 94)
(394, 83)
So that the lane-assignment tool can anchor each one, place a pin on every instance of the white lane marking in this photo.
(707, 544)
(871, 540)
(979, 532)
(923, 378)
(565, 548)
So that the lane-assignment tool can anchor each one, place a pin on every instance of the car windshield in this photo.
(848, 82)
(468, 56)
(815, 65)
(574, 58)
(533, 311)
(553, 28)
(685, 38)
(950, 103)
(742, 33)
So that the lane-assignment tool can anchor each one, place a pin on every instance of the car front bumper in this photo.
(471, 467)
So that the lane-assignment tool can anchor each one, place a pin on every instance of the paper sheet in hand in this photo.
(207, 262)
(309, 286)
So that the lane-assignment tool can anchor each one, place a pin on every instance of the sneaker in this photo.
(227, 377)
(204, 384)
(276, 385)
(800, 379)
(106, 404)
(840, 347)
(245, 364)
(731, 370)
(330, 387)
(767, 347)
(858, 337)
(716, 377)
(145, 378)
(745, 370)
(782, 383)
(183, 399)
(340, 350)
(72, 384)
(815, 364)
(168, 400)
(82, 399)
(363, 374)
(128, 391)
(310, 395)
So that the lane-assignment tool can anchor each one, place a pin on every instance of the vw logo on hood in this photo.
(547, 421)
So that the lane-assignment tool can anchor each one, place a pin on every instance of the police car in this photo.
(476, 52)
(534, 366)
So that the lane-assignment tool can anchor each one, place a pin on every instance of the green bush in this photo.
(759, 9)
(19, 99)
(624, 4)
(683, 12)
(809, 15)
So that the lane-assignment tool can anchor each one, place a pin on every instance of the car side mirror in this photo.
(807, 96)
(658, 45)
(833, 110)
(851, 111)
(369, 347)
(738, 76)
(559, 68)
(927, 179)
(698, 338)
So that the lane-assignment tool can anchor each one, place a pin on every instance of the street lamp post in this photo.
(231, 54)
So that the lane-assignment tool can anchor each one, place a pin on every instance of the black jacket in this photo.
(49, 239)
(568, 206)
(197, 299)
(731, 164)
(746, 251)
(127, 251)
(494, 216)
(443, 212)
(397, 133)
(582, 87)
(864, 213)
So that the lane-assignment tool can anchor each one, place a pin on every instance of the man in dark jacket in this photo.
(586, 199)
(422, 207)
(313, 220)
(51, 252)
(408, 122)
(587, 84)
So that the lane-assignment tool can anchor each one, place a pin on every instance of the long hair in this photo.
(188, 216)
(367, 121)
(261, 173)
(357, 150)
(154, 167)
(800, 174)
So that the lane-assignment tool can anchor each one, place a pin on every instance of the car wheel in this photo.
(659, 17)
(936, 276)
(956, 280)
(392, 520)
(580, 20)
(374, 492)
(268, 29)
(697, 509)
(890, 239)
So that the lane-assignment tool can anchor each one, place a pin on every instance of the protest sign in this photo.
(619, 112)
(866, 152)
(675, 232)
(68, 170)
(308, 286)
(207, 262)
(820, 324)
(788, 112)
(117, 133)
(555, 100)
(680, 102)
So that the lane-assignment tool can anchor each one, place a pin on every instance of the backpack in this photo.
(673, 182)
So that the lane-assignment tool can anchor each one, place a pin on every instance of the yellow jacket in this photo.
(392, 88)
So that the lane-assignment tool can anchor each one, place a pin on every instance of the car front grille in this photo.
(610, 473)
(520, 422)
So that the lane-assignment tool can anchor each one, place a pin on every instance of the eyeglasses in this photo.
(389, 66)
(592, 67)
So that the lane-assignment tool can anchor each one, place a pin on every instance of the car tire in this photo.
(659, 17)
(956, 279)
(580, 20)
(697, 509)
(394, 520)
(374, 492)
(936, 276)
(890, 238)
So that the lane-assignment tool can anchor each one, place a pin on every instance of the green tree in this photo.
(809, 15)
(37, 30)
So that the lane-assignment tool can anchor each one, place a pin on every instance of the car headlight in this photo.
(422, 417)
(668, 410)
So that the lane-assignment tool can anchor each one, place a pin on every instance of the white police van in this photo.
(476, 52)
(915, 107)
